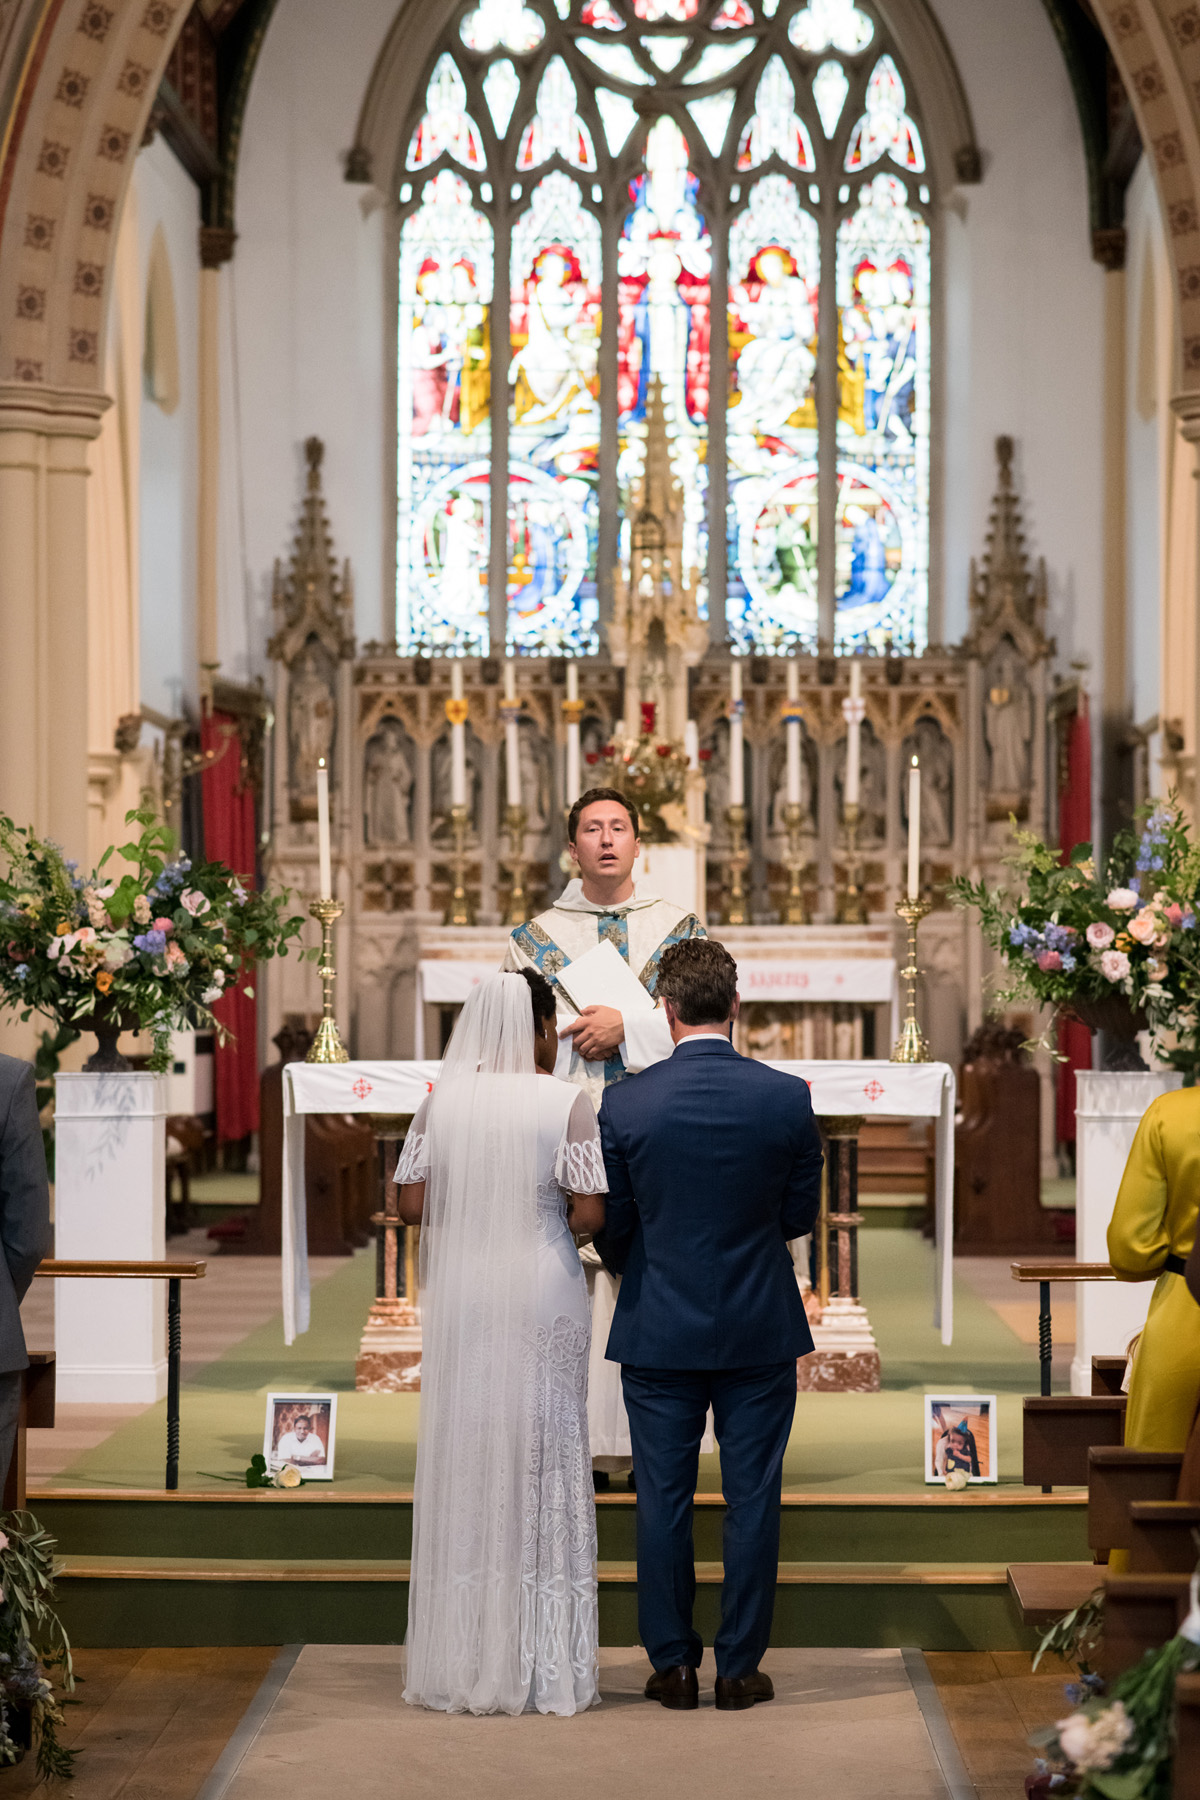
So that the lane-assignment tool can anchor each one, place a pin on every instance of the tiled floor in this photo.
(237, 1294)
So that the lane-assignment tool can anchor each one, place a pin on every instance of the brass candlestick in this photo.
(852, 905)
(514, 819)
(327, 1046)
(739, 857)
(794, 911)
(910, 1046)
(459, 910)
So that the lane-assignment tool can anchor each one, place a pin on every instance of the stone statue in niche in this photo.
(872, 784)
(440, 780)
(716, 772)
(312, 717)
(535, 777)
(1008, 724)
(387, 786)
(929, 743)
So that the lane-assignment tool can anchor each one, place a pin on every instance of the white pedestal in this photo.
(1108, 1110)
(673, 872)
(110, 1337)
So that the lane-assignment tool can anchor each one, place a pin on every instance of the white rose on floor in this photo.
(1114, 965)
(1095, 1743)
(956, 1480)
(288, 1477)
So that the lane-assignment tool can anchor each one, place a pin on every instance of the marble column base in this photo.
(389, 1356)
(845, 1357)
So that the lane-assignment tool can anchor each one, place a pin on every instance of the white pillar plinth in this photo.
(674, 872)
(110, 1337)
(1108, 1110)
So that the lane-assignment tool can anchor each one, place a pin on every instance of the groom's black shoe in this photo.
(676, 1688)
(736, 1692)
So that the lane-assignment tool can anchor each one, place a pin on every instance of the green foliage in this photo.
(257, 1474)
(154, 949)
(32, 1642)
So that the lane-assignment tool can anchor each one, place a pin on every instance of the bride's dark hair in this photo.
(541, 994)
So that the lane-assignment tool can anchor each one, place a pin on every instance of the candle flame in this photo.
(320, 762)
(916, 762)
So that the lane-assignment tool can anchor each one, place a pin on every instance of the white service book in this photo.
(602, 977)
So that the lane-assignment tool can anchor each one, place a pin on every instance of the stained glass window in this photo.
(729, 195)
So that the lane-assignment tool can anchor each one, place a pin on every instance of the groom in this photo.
(714, 1163)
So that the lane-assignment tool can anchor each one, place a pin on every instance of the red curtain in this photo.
(1074, 827)
(230, 836)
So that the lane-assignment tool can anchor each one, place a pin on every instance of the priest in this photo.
(601, 1044)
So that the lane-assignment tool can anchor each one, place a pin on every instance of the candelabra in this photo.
(852, 905)
(910, 1046)
(327, 1046)
(739, 857)
(794, 911)
(459, 910)
(514, 820)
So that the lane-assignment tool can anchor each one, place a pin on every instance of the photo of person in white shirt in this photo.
(301, 1444)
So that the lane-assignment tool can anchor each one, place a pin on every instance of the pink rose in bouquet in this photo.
(1100, 935)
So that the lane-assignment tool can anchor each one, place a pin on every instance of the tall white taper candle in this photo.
(325, 860)
(737, 769)
(512, 736)
(458, 741)
(793, 735)
(853, 732)
(574, 781)
(914, 830)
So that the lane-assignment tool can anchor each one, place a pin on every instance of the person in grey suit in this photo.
(24, 1232)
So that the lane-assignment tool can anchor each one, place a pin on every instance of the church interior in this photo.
(415, 413)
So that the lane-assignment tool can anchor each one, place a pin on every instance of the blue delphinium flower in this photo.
(152, 942)
(22, 971)
(1188, 922)
(1068, 962)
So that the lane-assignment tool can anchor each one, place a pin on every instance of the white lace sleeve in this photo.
(414, 1164)
(580, 1164)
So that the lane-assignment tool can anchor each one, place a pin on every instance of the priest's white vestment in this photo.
(640, 930)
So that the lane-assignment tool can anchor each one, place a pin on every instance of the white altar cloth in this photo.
(869, 1088)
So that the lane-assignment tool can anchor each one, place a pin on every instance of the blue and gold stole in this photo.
(548, 958)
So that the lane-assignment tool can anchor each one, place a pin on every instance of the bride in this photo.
(502, 1163)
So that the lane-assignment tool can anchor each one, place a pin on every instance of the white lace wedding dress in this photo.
(502, 1609)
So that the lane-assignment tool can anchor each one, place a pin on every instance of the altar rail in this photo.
(1045, 1274)
(174, 1273)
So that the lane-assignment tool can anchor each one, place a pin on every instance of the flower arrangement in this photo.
(1100, 943)
(653, 772)
(32, 1644)
(1118, 1743)
(152, 949)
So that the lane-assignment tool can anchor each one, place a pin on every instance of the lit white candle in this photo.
(853, 730)
(691, 743)
(914, 830)
(574, 780)
(512, 735)
(324, 858)
(458, 741)
(793, 734)
(737, 770)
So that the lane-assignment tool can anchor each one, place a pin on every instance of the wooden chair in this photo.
(997, 1150)
(186, 1138)
(36, 1413)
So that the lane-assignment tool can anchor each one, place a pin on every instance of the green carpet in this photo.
(841, 1443)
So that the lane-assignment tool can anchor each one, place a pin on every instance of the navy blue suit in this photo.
(713, 1163)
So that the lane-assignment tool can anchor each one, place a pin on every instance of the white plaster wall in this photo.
(1149, 425)
(303, 327)
(167, 196)
(1024, 320)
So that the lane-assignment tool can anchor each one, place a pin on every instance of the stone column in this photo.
(845, 1358)
(44, 435)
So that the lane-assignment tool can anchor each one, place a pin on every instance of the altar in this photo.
(846, 1092)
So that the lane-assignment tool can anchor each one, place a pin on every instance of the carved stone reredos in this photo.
(312, 600)
(1006, 599)
(656, 590)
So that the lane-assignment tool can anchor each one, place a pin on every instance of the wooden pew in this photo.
(1140, 1613)
(1164, 1536)
(997, 1157)
(1116, 1477)
(1061, 1429)
(1185, 1783)
(1108, 1373)
(36, 1413)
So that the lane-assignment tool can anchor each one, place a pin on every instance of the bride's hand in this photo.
(597, 1032)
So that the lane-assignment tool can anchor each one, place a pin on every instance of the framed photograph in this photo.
(960, 1439)
(300, 1430)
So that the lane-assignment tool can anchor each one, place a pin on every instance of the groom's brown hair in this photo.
(699, 978)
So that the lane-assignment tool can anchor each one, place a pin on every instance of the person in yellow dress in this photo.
(1152, 1232)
